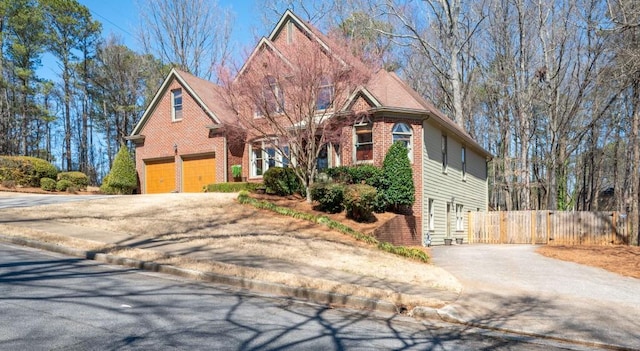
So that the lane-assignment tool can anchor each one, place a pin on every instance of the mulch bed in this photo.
(624, 260)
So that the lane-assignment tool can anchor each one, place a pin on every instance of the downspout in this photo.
(225, 159)
(426, 236)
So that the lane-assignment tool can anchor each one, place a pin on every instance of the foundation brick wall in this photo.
(401, 230)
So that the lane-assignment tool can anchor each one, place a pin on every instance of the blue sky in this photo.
(120, 17)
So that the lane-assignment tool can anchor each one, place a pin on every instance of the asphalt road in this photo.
(52, 302)
(9, 200)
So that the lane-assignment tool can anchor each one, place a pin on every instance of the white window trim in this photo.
(329, 85)
(264, 146)
(459, 218)
(410, 134)
(463, 167)
(173, 105)
(445, 153)
(432, 214)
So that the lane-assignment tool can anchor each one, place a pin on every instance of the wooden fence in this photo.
(548, 227)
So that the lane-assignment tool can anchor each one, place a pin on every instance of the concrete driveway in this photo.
(9, 199)
(512, 287)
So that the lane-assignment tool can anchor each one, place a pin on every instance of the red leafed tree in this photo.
(291, 100)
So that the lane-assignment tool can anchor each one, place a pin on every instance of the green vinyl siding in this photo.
(470, 192)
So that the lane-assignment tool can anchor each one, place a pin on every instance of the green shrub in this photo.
(358, 201)
(367, 174)
(78, 179)
(9, 184)
(63, 185)
(236, 171)
(122, 178)
(282, 181)
(231, 187)
(25, 170)
(398, 189)
(329, 195)
(47, 184)
(105, 188)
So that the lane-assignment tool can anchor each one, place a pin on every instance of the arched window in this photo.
(402, 132)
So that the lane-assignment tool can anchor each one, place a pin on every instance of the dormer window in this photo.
(176, 104)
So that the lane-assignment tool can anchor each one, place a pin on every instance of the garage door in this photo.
(160, 176)
(197, 172)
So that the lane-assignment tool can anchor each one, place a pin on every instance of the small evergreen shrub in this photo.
(105, 188)
(330, 196)
(63, 185)
(358, 201)
(122, 178)
(398, 190)
(25, 170)
(231, 187)
(236, 171)
(47, 184)
(78, 179)
(282, 181)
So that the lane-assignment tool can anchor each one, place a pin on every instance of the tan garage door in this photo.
(160, 176)
(197, 172)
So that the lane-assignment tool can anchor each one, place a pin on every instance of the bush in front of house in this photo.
(122, 179)
(367, 174)
(78, 179)
(282, 181)
(397, 188)
(47, 184)
(358, 201)
(63, 185)
(231, 187)
(26, 170)
(329, 195)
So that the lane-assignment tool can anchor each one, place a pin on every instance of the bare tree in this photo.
(192, 35)
(291, 101)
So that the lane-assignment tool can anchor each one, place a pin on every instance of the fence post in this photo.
(614, 226)
(548, 226)
(534, 225)
(469, 227)
(503, 227)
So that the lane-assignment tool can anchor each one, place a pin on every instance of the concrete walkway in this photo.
(513, 288)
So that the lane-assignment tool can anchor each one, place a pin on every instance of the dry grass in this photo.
(196, 227)
(624, 260)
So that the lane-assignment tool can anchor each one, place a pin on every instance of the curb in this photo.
(313, 295)
(445, 314)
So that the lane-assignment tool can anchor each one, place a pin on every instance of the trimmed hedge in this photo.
(330, 196)
(78, 179)
(122, 179)
(282, 181)
(408, 252)
(367, 174)
(64, 185)
(358, 201)
(47, 184)
(26, 170)
(231, 187)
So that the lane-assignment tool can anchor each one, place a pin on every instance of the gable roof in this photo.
(394, 94)
(204, 92)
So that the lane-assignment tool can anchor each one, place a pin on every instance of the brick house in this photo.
(186, 139)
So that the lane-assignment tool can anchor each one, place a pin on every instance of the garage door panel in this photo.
(198, 172)
(160, 176)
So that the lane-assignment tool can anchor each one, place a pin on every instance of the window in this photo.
(445, 162)
(322, 162)
(265, 155)
(176, 104)
(464, 163)
(401, 132)
(459, 218)
(325, 95)
(363, 139)
(272, 98)
(432, 214)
